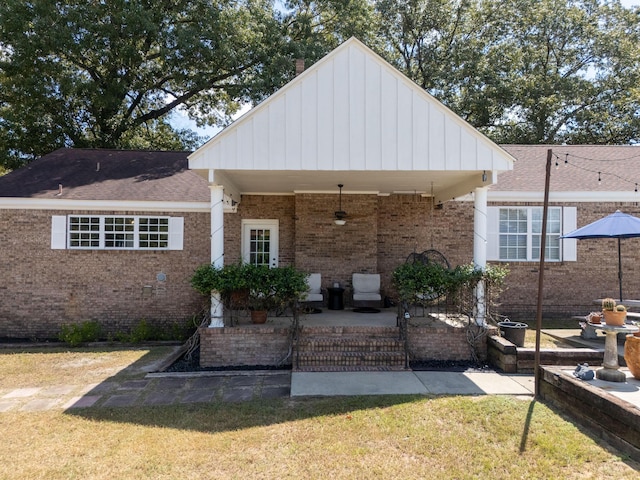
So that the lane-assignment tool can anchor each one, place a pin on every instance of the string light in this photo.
(599, 172)
(557, 165)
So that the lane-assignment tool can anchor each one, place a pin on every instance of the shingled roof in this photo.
(100, 174)
(97, 174)
(619, 167)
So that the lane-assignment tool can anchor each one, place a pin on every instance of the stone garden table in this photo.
(610, 370)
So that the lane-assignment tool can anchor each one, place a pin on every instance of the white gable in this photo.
(350, 112)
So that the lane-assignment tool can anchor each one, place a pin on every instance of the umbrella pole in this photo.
(619, 269)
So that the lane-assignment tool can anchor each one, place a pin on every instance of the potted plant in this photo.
(265, 288)
(230, 281)
(261, 294)
(614, 314)
(632, 353)
(274, 289)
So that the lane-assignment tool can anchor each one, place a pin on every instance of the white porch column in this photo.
(217, 250)
(480, 249)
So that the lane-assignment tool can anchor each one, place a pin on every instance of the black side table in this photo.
(336, 301)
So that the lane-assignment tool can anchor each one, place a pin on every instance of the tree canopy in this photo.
(109, 73)
(524, 71)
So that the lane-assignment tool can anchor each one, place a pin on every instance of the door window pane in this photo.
(260, 246)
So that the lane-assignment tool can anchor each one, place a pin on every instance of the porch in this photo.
(343, 340)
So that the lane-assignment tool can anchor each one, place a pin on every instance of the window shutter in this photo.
(569, 224)
(176, 233)
(58, 232)
(493, 237)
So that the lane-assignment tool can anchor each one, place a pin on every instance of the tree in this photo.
(106, 74)
(523, 71)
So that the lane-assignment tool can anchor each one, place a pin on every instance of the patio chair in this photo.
(314, 296)
(366, 290)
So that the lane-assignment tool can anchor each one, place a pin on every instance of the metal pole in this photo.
(543, 246)
(619, 269)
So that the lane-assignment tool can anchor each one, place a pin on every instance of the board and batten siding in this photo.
(351, 111)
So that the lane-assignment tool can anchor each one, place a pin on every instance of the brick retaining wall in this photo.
(241, 346)
(269, 345)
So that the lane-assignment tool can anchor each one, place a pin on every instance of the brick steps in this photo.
(336, 368)
(326, 349)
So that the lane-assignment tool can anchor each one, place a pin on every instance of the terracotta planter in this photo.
(259, 316)
(632, 355)
(614, 318)
(594, 317)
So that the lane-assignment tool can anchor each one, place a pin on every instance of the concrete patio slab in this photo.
(121, 401)
(40, 404)
(473, 383)
(448, 383)
(82, 402)
(492, 383)
(5, 406)
(399, 383)
(58, 390)
(22, 392)
(628, 391)
(355, 383)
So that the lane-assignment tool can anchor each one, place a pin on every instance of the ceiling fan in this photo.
(340, 214)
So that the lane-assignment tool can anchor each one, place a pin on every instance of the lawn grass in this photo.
(390, 437)
(359, 437)
(42, 367)
(546, 341)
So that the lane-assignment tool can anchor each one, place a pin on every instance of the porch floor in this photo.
(387, 317)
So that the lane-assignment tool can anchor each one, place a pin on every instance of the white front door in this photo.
(260, 242)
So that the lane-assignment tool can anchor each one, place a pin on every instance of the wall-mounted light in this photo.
(484, 176)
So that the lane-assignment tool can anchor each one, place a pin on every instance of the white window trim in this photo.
(568, 222)
(60, 233)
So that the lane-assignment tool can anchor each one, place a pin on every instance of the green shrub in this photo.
(267, 287)
(143, 331)
(420, 283)
(77, 334)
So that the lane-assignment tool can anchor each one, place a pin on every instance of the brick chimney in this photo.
(299, 66)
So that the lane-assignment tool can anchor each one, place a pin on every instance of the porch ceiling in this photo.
(444, 185)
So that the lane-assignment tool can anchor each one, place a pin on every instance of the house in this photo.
(114, 235)
(101, 235)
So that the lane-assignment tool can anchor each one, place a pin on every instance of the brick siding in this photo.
(42, 289)
(571, 287)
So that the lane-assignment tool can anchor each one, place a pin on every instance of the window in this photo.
(520, 233)
(514, 233)
(116, 232)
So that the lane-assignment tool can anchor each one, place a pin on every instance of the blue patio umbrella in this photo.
(617, 225)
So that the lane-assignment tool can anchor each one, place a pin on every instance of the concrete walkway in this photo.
(414, 382)
(215, 387)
